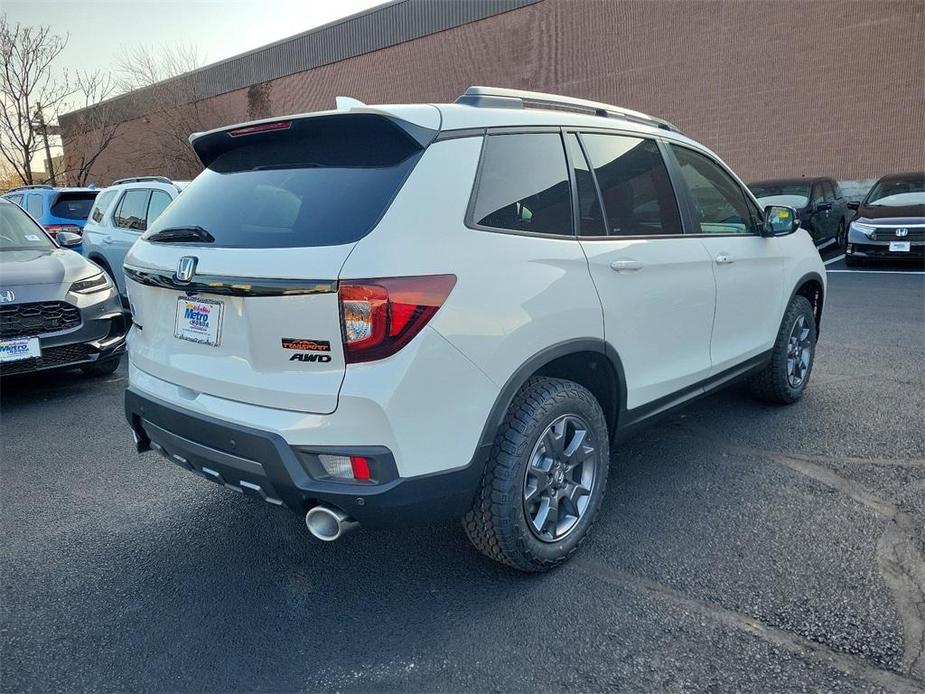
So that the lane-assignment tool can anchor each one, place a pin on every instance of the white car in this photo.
(121, 213)
(383, 315)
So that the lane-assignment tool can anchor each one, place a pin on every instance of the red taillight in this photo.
(261, 128)
(380, 316)
(360, 467)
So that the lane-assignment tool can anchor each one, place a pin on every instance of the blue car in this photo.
(56, 209)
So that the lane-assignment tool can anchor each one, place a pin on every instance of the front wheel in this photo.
(543, 485)
(786, 376)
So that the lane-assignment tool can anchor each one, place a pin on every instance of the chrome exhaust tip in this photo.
(328, 524)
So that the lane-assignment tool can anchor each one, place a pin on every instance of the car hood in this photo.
(907, 214)
(53, 266)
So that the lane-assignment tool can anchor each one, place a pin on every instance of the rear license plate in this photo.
(22, 348)
(901, 246)
(199, 320)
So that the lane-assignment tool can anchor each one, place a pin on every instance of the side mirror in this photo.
(854, 204)
(67, 239)
(779, 221)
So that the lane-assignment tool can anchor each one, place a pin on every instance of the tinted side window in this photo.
(637, 193)
(827, 191)
(720, 205)
(159, 202)
(132, 210)
(523, 185)
(590, 217)
(34, 205)
(100, 205)
(836, 189)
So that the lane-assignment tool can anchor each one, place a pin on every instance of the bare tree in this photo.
(173, 111)
(90, 131)
(28, 90)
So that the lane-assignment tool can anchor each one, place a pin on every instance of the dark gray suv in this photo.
(57, 309)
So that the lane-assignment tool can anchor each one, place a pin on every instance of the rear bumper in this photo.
(263, 465)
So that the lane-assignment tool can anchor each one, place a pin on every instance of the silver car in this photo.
(57, 309)
(120, 215)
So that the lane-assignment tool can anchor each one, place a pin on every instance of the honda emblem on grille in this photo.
(6, 296)
(186, 268)
(902, 231)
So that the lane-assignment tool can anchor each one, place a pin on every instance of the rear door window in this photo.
(319, 181)
(133, 210)
(635, 186)
(34, 205)
(73, 205)
(101, 204)
(523, 185)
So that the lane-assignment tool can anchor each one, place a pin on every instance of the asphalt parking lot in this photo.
(741, 547)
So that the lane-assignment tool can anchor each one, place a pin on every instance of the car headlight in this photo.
(866, 229)
(96, 283)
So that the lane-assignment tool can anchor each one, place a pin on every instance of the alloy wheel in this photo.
(559, 478)
(799, 352)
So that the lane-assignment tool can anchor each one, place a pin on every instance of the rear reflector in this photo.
(345, 467)
(380, 316)
(262, 128)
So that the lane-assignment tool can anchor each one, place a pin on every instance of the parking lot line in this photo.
(882, 272)
(835, 259)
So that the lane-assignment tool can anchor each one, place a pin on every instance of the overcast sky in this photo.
(100, 29)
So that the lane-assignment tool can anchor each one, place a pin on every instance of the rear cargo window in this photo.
(325, 181)
(73, 205)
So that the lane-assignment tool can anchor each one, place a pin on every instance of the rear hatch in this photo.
(234, 287)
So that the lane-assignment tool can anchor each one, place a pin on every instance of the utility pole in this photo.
(42, 129)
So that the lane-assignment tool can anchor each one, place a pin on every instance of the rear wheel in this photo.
(785, 378)
(102, 367)
(543, 486)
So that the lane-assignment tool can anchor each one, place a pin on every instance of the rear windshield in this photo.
(324, 182)
(73, 205)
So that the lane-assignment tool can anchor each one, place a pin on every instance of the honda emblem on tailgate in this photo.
(6, 296)
(186, 268)
(902, 231)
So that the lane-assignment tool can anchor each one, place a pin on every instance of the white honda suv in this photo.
(383, 315)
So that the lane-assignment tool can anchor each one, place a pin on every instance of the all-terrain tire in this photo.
(773, 383)
(497, 524)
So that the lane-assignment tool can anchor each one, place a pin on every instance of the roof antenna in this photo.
(345, 103)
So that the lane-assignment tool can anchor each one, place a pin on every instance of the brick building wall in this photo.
(776, 88)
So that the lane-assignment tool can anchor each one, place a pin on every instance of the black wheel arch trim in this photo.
(534, 364)
(817, 310)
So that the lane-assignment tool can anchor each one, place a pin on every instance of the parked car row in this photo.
(889, 222)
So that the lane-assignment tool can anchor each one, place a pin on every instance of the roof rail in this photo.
(142, 179)
(43, 186)
(499, 97)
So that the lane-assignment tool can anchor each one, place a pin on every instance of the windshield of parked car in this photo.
(19, 233)
(789, 194)
(897, 192)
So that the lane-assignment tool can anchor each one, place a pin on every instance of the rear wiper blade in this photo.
(182, 234)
